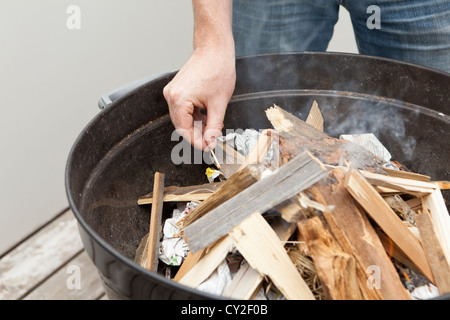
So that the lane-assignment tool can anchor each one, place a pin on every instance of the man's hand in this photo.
(207, 82)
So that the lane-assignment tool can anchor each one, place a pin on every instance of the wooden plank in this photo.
(76, 280)
(182, 194)
(434, 252)
(315, 118)
(261, 248)
(231, 187)
(285, 182)
(435, 206)
(336, 269)
(355, 234)
(244, 284)
(227, 159)
(248, 281)
(154, 234)
(208, 263)
(189, 262)
(31, 262)
(410, 186)
(393, 251)
(415, 204)
(284, 121)
(406, 174)
(443, 185)
(362, 191)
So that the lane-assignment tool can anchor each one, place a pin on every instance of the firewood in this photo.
(434, 252)
(435, 206)
(394, 252)
(295, 136)
(401, 208)
(443, 185)
(245, 284)
(415, 204)
(410, 186)
(155, 223)
(315, 118)
(335, 268)
(248, 281)
(407, 175)
(208, 263)
(189, 262)
(184, 194)
(362, 191)
(226, 158)
(231, 187)
(261, 248)
(355, 234)
(282, 184)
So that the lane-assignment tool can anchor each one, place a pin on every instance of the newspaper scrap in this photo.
(173, 249)
(425, 292)
(212, 174)
(370, 142)
(245, 141)
(217, 281)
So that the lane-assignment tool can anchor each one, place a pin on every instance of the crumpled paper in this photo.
(217, 281)
(245, 141)
(173, 249)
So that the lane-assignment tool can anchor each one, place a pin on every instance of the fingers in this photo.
(188, 124)
(214, 124)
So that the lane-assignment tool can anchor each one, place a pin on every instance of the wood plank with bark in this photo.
(295, 136)
(354, 232)
(336, 269)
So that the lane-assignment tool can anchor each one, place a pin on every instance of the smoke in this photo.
(387, 123)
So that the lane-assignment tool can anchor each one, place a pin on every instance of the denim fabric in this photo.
(416, 31)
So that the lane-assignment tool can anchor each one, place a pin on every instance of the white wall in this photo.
(51, 79)
(343, 39)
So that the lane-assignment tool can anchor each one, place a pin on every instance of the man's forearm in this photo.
(213, 23)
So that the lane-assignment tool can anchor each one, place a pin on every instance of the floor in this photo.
(50, 264)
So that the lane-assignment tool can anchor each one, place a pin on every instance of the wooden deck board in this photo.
(76, 280)
(45, 265)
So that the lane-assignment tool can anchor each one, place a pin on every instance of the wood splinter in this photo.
(155, 222)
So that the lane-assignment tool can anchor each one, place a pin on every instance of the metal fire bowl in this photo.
(114, 159)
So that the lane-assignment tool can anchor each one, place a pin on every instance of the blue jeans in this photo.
(416, 31)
